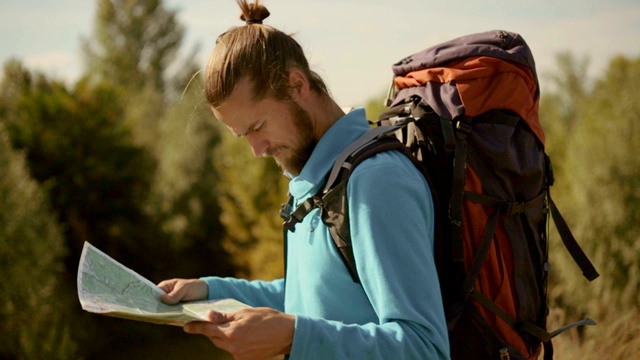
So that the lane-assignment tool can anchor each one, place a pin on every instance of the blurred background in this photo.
(105, 137)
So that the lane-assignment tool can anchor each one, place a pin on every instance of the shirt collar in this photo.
(342, 133)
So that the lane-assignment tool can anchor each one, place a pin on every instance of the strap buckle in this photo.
(286, 212)
(512, 208)
(292, 217)
(463, 127)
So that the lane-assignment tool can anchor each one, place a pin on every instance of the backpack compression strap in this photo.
(588, 270)
(569, 241)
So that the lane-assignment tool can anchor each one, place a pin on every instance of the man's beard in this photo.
(297, 157)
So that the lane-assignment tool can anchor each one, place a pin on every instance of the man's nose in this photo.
(258, 145)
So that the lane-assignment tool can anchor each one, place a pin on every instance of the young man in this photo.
(259, 84)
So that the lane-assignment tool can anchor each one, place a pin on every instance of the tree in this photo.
(134, 43)
(561, 107)
(103, 150)
(186, 188)
(77, 147)
(597, 190)
(251, 192)
(605, 178)
(33, 311)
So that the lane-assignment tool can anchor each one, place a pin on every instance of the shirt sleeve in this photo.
(392, 225)
(255, 293)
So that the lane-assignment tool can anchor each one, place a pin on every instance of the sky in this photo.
(352, 44)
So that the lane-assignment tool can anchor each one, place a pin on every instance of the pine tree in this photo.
(134, 43)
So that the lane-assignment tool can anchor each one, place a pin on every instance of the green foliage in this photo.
(134, 43)
(97, 180)
(33, 314)
(251, 191)
(597, 191)
(121, 172)
(570, 87)
(130, 162)
(132, 47)
(186, 187)
(606, 176)
(560, 108)
(77, 146)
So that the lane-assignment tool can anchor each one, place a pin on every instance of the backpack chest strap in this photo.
(292, 217)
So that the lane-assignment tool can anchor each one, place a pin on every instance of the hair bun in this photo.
(253, 13)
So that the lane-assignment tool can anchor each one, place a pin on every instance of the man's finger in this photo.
(168, 286)
(169, 299)
(203, 328)
(170, 292)
(209, 328)
(217, 317)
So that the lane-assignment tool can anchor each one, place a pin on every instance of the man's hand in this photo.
(255, 333)
(183, 290)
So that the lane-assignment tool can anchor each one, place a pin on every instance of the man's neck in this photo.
(324, 112)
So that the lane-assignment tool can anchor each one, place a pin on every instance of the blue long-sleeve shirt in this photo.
(396, 312)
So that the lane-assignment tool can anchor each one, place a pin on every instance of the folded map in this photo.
(109, 288)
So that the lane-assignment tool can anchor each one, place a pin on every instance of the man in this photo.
(259, 84)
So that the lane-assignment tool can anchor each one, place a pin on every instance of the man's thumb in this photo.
(217, 317)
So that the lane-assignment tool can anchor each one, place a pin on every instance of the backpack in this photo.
(466, 113)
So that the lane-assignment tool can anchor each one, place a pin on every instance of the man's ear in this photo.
(298, 84)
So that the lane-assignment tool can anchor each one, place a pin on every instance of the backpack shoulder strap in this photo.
(341, 170)
(332, 199)
(353, 152)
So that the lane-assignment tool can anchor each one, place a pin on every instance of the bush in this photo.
(32, 317)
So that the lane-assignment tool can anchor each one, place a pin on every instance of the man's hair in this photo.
(260, 53)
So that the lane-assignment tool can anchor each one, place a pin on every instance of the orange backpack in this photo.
(466, 113)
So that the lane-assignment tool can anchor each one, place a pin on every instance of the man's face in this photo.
(280, 129)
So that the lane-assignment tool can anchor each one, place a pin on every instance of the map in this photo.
(107, 287)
